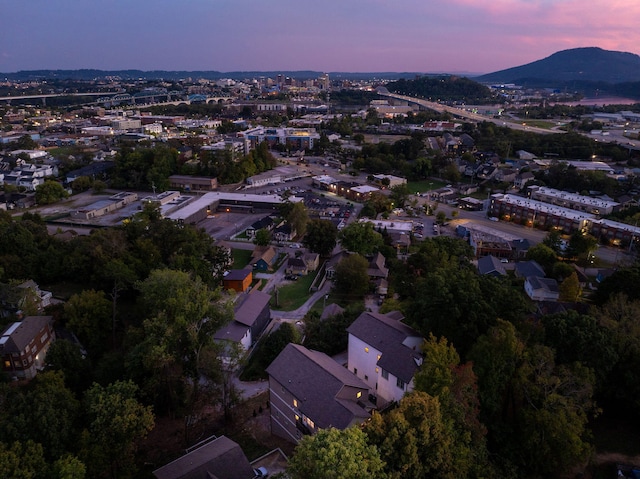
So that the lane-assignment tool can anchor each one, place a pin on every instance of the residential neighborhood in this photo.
(245, 265)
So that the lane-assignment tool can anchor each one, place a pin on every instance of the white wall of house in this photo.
(388, 388)
(361, 360)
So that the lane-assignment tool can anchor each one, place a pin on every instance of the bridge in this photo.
(192, 99)
(462, 113)
(117, 98)
(44, 96)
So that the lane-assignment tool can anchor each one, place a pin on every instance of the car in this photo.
(261, 472)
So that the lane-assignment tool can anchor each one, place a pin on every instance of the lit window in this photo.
(366, 350)
(295, 403)
(379, 356)
(359, 394)
(377, 370)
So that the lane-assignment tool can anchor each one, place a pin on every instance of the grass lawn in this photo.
(424, 185)
(241, 257)
(293, 295)
(541, 123)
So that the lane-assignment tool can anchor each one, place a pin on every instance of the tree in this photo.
(455, 385)
(451, 173)
(413, 438)
(321, 237)
(116, 421)
(351, 278)
(262, 237)
(99, 186)
(183, 315)
(399, 195)
(544, 255)
(24, 461)
(570, 288)
(581, 244)
(50, 192)
(51, 415)
(335, 454)
(67, 357)
(361, 238)
(69, 467)
(80, 184)
(298, 217)
(88, 314)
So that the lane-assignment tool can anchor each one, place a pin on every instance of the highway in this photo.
(469, 115)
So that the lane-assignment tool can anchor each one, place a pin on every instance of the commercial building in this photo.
(595, 206)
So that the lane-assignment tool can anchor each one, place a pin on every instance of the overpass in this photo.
(462, 113)
(44, 96)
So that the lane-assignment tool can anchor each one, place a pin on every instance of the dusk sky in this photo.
(478, 36)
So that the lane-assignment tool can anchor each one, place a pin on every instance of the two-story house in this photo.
(24, 345)
(385, 353)
(308, 390)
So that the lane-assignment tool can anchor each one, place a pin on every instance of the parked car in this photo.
(261, 472)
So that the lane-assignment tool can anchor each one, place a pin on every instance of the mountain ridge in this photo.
(585, 64)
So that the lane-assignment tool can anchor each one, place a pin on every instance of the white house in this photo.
(385, 353)
(541, 289)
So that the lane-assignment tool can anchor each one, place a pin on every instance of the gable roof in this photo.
(316, 380)
(331, 310)
(377, 266)
(251, 307)
(388, 335)
(297, 263)
(544, 284)
(221, 458)
(266, 253)
(18, 335)
(524, 269)
(490, 265)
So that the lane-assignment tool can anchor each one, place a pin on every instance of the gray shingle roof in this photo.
(525, 269)
(22, 334)
(222, 457)
(247, 312)
(387, 335)
(316, 380)
(490, 265)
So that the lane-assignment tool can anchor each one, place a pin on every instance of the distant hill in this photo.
(589, 65)
(443, 87)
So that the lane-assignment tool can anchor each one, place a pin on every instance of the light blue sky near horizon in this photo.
(334, 35)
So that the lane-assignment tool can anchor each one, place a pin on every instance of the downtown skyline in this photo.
(453, 36)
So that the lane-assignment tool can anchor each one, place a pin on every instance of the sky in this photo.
(427, 36)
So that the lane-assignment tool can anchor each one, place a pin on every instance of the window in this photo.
(366, 378)
(377, 370)
(355, 371)
(379, 356)
(358, 394)
(295, 403)
(366, 350)
(400, 383)
(7, 364)
(385, 374)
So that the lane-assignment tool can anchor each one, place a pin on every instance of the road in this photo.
(469, 115)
